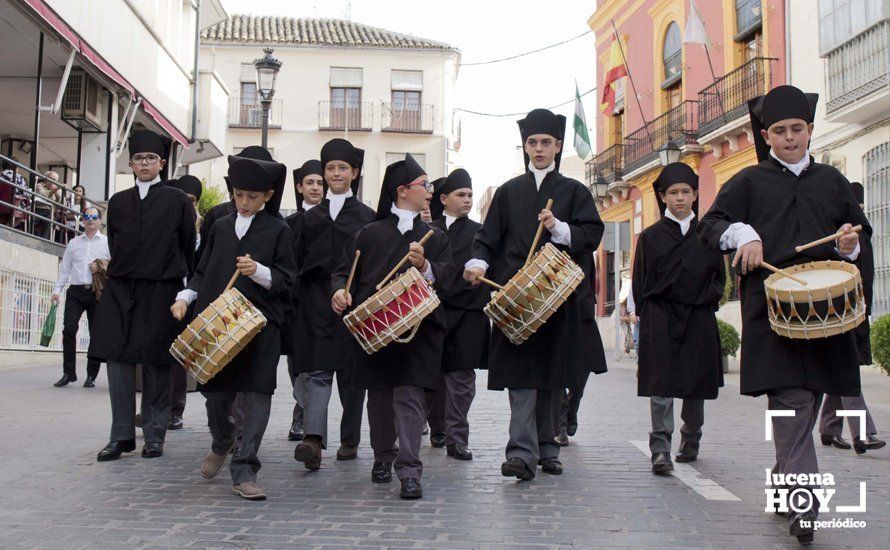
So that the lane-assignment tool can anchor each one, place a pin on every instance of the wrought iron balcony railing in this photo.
(338, 115)
(679, 125)
(727, 99)
(606, 165)
(246, 112)
(407, 118)
(858, 67)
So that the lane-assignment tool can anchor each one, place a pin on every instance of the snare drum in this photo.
(217, 335)
(534, 293)
(395, 309)
(831, 303)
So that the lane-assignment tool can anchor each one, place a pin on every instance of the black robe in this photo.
(592, 357)
(294, 222)
(866, 265)
(549, 359)
(787, 210)
(219, 211)
(268, 241)
(677, 286)
(416, 363)
(152, 245)
(467, 328)
(321, 341)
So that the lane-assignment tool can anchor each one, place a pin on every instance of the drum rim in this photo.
(836, 290)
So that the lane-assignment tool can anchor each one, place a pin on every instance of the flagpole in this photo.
(716, 86)
(632, 86)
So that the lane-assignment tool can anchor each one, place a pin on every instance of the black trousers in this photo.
(178, 389)
(77, 300)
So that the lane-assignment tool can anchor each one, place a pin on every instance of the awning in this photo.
(98, 63)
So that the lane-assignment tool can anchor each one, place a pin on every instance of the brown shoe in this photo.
(249, 490)
(309, 452)
(212, 464)
(345, 452)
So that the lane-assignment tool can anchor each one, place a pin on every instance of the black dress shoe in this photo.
(562, 440)
(90, 382)
(437, 441)
(661, 463)
(381, 472)
(516, 467)
(551, 465)
(835, 441)
(688, 453)
(152, 450)
(872, 442)
(571, 428)
(459, 451)
(804, 533)
(65, 380)
(859, 446)
(114, 449)
(411, 488)
(296, 432)
(175, 423)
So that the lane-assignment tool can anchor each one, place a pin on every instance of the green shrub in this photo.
(729, 338)
(211, 195)
(880, 342)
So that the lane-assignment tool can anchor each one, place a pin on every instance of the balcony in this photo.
(246, 112)
(407, 118)
(605, 165)
(856, 73)
(726, 100)
(679, 125)
(338, 116)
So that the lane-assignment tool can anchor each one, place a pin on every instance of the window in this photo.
(747, 18)
(753, 46)
(674, 96)
(841, 20)
(672, 54)
(877, 210)
(396, 157)
(346, 108)
(249, 111)
(405, 111)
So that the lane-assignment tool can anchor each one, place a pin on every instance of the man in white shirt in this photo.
(76, 271)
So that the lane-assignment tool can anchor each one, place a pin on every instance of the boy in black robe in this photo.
(258, 244)
(321, 340)
(309, 189)
(677, 285)
(762, 213)
(397, 375)
(467, 328)
(151, 236)
(537, 371)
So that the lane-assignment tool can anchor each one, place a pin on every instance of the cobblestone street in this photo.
(55, 494)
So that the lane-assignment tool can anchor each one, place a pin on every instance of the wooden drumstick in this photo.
(403, 260)
(352, 271)
(828, 239)
(775, 269)
(234, 276)
(489, 282)
(538, 234)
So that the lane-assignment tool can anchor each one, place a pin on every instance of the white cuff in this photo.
(737, 235)
(561, 234)
(476, 262)
(263, 276)
(428, 273)
(852, 256)
(187, 295)
(58, 289)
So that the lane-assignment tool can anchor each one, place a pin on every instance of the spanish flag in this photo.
(615, 69)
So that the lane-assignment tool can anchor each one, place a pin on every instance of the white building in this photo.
(388, 93)
(852, 127)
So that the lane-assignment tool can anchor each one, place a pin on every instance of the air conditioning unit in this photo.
(81, 105)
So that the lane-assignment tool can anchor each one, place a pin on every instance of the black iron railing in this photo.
(408, 118)
(727, 99)
(605, 165)
(678, 125)
(339, 115)
(246, 112)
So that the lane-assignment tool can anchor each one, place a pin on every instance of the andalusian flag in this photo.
(582, 139)
(615, 69)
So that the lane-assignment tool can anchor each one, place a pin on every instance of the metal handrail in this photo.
(727, 98)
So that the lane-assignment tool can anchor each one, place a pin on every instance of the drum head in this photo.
(815, 279)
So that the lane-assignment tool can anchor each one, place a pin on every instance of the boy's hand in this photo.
(748, 257)
(54, 299)
(245, 265)
(415, 256)
(847, 242)
(546, 216)
(178, 309)
(472, 274)
(340, 301)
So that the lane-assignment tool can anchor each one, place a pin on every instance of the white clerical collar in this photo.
(307, 207)
(242, 224)
(143, 186)
(541, 174)
(336, 202)
(406, 218)
(796, 167)
(684, 223)
(449, 219)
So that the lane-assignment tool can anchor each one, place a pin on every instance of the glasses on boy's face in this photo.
(427, 186)
(147, 159)
(90, 217)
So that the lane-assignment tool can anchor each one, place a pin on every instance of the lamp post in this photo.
(267, 68)
(602, 187)
(669, 153)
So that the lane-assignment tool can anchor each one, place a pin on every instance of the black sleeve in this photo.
(187, 233)
(488, 242)
(442, 262)
(198, 275)
(585, 226)
(638, 276)
(730, 206)
(283, 269)
(344, 264)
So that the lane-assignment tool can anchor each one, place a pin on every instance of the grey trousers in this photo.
(397, 414)
(319, 385)
(255, 408)
(449, 406)
(534, 417)
(155, 406)
(832, 424)
(793, 435)
(300, 387)
(662, 410)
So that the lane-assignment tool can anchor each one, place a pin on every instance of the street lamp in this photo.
(602, 187)
(267, 68)
(669, 153)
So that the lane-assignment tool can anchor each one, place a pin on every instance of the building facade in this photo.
(676, 101)
(388, 93)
